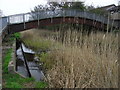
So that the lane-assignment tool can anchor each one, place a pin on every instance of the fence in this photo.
(3, 23)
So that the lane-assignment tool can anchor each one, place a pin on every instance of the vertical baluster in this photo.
(63, 11)
(93, 19)
(24, 20)
(38, 18)
(84, 16)
(8, 20)
(8, 23)
(108, 22)
(53, 13)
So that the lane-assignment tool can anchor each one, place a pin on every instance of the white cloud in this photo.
(10, 7)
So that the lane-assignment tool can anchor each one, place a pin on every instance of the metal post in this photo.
(25, 62)
(38, 18)
(108, 21)
(112, 22)
(8, 24)
(24, 20)
(63, 15)
(51, 20)
(15, 53)
(8, 20)
(74, 15)
(103, 24)
(84, 17)
(94, 19)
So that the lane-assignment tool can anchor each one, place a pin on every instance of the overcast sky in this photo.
(10, 7)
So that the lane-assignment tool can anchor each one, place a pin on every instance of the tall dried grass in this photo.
(83, 61)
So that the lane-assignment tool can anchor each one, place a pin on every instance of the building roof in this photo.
(109, 7)
(116, 9)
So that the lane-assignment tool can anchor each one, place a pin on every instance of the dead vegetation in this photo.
(78, 60)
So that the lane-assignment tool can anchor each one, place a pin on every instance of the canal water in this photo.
(32, 62)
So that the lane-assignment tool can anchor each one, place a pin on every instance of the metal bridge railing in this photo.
(23, 18)
(20, 18)
(3, 23)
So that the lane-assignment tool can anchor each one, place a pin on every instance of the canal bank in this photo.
(13, 79)
(27, 64)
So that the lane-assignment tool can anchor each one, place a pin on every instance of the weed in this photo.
(17, 35)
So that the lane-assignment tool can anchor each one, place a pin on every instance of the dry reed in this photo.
(83, 61)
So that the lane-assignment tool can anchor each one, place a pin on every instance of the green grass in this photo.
(6, 60)
(11, 38)
(47, 63)
(14, 80)
(16, 35)
(40, 84)
(38, 44)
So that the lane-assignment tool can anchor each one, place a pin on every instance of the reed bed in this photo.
(79, 60)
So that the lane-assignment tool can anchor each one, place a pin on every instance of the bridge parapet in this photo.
(20, 18)
(32, 16)
(3, 25)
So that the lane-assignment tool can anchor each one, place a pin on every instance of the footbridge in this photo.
(20, 22)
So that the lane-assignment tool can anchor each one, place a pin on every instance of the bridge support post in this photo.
(108, 22)
(24, 20)
(8, 23)
(63, 16)
(84, 18)
(51, 20)
(38, 18)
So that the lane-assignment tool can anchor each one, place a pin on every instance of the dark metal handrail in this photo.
(27, 68)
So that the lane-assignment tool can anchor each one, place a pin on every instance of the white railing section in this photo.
(26, 17)
(3, 23)
(20, 18)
